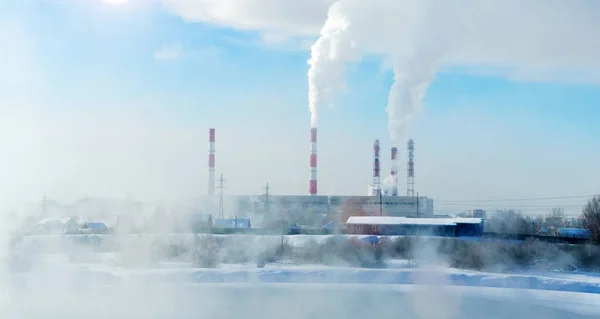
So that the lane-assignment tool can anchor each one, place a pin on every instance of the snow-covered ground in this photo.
(95, 288)
(91, 284)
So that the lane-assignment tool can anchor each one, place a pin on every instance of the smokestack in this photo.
(376, 170)
(394, 171)
(313, 161)
(410, 175)
(211, 161)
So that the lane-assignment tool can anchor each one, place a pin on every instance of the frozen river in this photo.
(290, 301)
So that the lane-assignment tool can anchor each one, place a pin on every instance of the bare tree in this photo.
(591, 218)
(555, 219)
(513, 222)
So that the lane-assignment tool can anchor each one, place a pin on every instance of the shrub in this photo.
(206, 251)
(236, 249)
(401, 247)
(274, 251)
(464, 254)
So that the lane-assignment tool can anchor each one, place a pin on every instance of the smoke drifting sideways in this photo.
(530, 40)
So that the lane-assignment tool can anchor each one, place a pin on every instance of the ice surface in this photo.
(291, 301)
(93, 286)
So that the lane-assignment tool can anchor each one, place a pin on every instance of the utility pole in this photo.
(267, 194)
(380, 204)
(417, 205)
(221, 186)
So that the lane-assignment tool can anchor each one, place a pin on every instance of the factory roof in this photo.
(390, 220)
(462, 220)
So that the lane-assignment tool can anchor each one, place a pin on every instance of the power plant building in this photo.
(399, 206)
(377, 202)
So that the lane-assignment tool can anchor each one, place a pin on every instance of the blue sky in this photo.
(143, 82)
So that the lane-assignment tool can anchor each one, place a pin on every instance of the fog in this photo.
(87, 142)
(186, 275)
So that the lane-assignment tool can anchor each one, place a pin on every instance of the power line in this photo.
(267, 194)
(526, 209)
(512, 206)
(515, 199)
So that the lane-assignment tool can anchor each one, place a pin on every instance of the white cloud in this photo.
(282, 42)
(169, 52)
(538, 35)
(290, 17)
(274, 42)
(116, 2)
(176, 51)
(274, 38)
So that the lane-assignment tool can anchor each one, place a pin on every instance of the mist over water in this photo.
(126, 276)
(166, 275)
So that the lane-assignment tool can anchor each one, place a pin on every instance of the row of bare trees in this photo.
(591, 218)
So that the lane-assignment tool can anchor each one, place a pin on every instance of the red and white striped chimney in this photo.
(394, 171)
(211, 161)
(376, 169)
(313, 161)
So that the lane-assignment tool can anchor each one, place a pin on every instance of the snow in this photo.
(59, 287)
(323, 274)
(398, 272)
(467, 220)
(140, 299)
(391, 220)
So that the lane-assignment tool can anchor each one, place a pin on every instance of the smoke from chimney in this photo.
(211, 161)
(511, 38)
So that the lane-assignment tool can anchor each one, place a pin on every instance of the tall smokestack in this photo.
(313, 161)
(376, 170)
(410, 175)
(211, 161)
(394, 171)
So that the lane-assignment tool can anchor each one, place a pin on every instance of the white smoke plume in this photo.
(522, 39)
(334, 48)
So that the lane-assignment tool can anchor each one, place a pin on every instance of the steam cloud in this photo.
(532, 40)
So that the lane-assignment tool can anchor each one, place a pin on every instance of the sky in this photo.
(114, 98)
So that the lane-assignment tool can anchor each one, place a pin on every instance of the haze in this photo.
(115, 101)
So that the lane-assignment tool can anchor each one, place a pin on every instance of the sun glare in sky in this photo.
(115, 2)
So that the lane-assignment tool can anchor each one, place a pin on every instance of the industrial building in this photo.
(381, 200)
(400, 206)
(387, 225)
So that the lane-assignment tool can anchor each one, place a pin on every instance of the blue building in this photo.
(96, 228)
